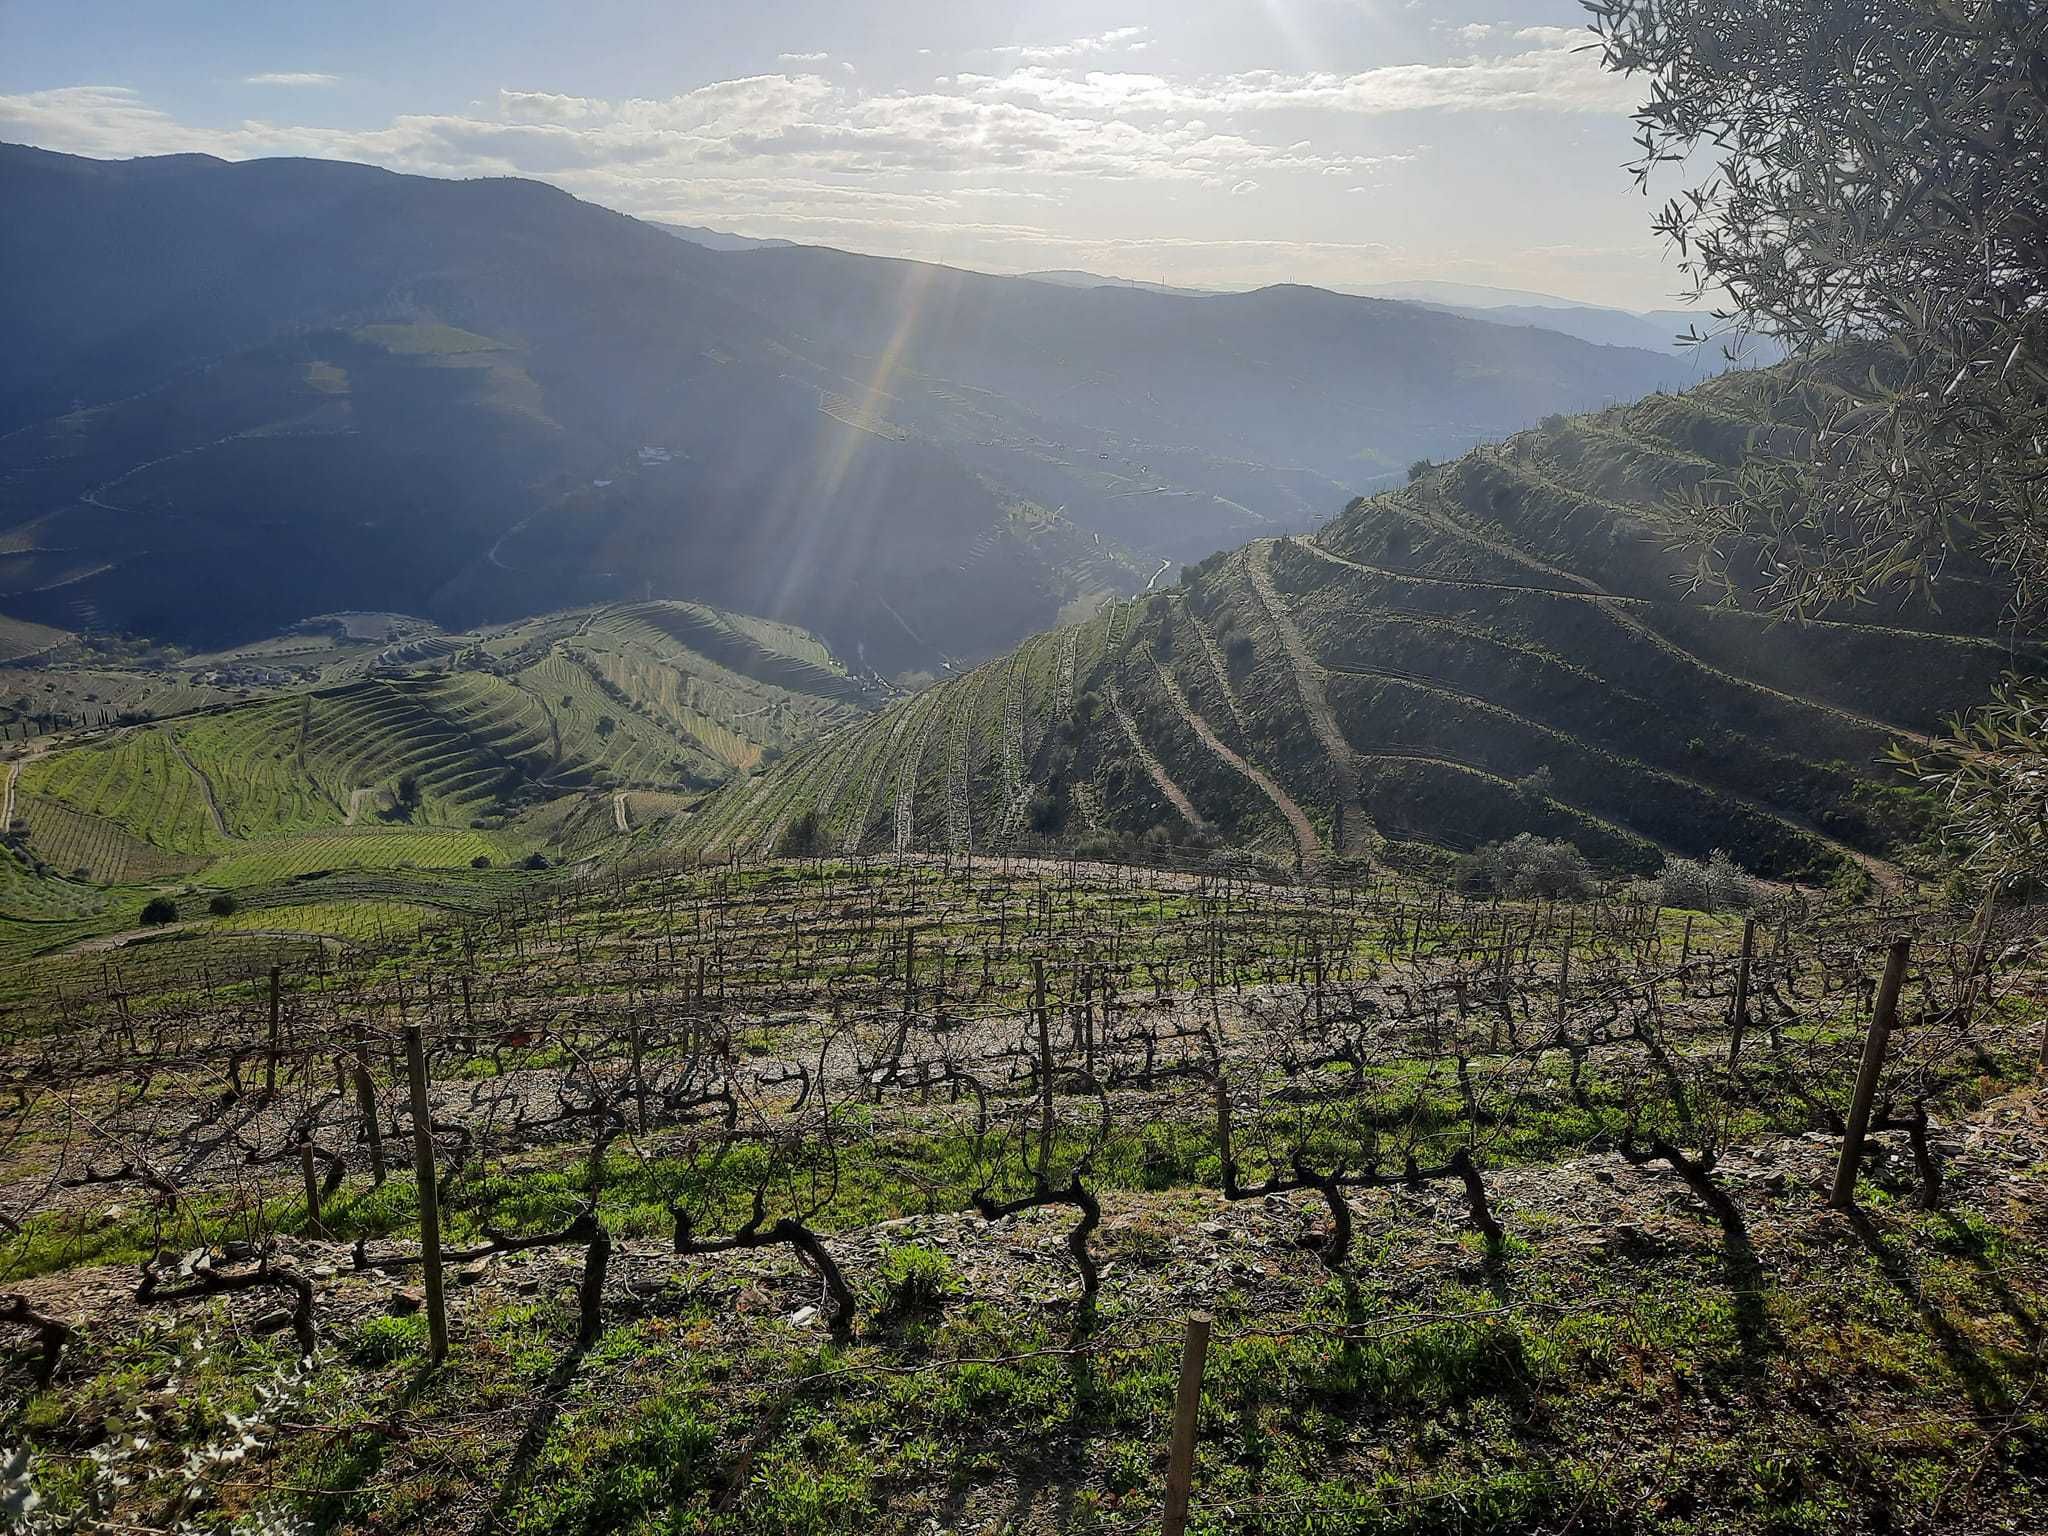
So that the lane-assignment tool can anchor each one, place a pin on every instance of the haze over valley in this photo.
(472, 401)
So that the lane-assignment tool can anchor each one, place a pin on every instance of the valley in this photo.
(475, 401)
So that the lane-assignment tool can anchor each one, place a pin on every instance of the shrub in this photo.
(481, 861)
(1101, 846)
(913, 1278)
(1684, 884)
(160, 910)
(1535, 788)
(1418, 469)
(222, 905)
(1046, 812)
(1729, 884)
(1644, 893)
(1719, 885)
(801, 838)
(1529, 867)
(534, 861)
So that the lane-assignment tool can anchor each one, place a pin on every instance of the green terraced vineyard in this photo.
(137, 781)
(28, 898)
(1502, 646)
(520, 739)
(358, 848)
(70, 841)
(360, 922)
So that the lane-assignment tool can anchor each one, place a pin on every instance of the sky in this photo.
(1211, 143)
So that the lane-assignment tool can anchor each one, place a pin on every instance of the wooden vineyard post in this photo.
(366, 1102)
(270, 1056)
(430, 1195)
(314, 1226)
(1043, 1026)
(1080, 1018)
(639, 1086)
(1564, 965)
(1187, 1403)
(1881, 1018)
(1741, 1021)
(909, 973)
(1224, 1147)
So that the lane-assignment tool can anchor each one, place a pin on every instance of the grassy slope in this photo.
(1408, 670)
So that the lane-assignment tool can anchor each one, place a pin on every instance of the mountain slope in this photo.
(241, 393)
(1498, 647)
(1176, 422)
(1655, 330)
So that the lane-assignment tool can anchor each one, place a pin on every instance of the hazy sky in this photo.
(1225, 142)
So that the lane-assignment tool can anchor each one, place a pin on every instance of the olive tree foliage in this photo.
(1991, 773)
(1870, 186)
(1529, 867)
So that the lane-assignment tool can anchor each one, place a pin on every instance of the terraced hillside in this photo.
(1501, 646)
(445, 752)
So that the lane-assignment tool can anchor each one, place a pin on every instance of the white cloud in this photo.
(801, 58)
(546, 107)
(1125, 39)
(811, 154)
(1558, 74)
(1033, 122)
(292, 77)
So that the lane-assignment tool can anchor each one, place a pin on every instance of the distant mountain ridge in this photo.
(718, 239)
(1664, 331)
(239, 393)
(1657, 330)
